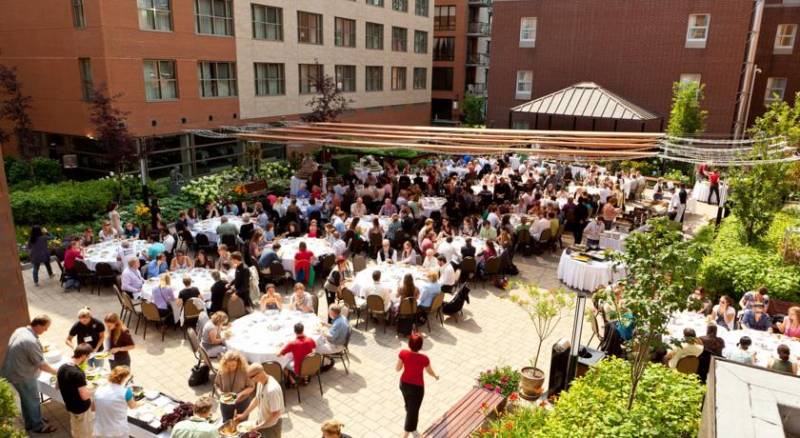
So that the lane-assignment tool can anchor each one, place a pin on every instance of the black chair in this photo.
(104, 274)
(491, 268)
(468, 269)
(230, 241)
(524, 242)
(201, 242)
(82, 274)
(277, 274)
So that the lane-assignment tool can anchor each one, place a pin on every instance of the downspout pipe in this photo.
(746, 91)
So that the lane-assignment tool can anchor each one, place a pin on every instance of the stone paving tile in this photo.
(494, 331)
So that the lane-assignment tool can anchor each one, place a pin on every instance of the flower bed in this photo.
(503, 380)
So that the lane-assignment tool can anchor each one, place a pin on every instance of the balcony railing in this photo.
(486, 3)
(478, 89)
(478, 28)
(477, 59)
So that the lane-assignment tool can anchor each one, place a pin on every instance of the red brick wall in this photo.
(459, 60)
(633, 48)
(13, 301)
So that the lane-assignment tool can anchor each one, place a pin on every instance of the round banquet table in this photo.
(290, 246)
(301, 202)
(478, 188)
(365, 223)
(702, 188)
(589, 275)
(764, 344)
(209, 227)
(201, 279)
(260, 336)
(588, 189)
(106, 252)
(295, 184)
(477, 242)
(613, 240)
(431, 204)
(364, 172)
(391, 275)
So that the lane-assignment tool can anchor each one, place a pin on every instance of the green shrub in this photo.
(8, 412)
(733, 268)
(342, 163)
(667, 404)
(46, 170)
(17, 170)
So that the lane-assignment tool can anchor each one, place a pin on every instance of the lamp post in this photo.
(575, 341)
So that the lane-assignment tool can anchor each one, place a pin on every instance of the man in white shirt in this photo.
(430, 261)
(169, 242)
(447, 275)
(605, 192)
(493, 218)
(358, 209)
(125, 253)
(593, 231)
(378, 289)
(539, 226)
(339, 245)
(268, 403)
(447, 249)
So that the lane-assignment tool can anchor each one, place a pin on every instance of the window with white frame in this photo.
(690, 77)
(217, 79)
(776, 87)
(527, 32)
(784, 38)
(270, 79)
(697, 31)
(267, 23)
(160, 81)
(155, 15)
(346, 78)
(214, 17)
(524, 84)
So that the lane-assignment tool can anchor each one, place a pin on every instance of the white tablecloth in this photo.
(201, 279)
(363, 172)
(460, 171)
(459, 242)
(290, 246)
(391, 276)
(48, 388)
(295, 184)
(106, 252)
(701, 190)
(260, 336)
(587, 275)
(430, 204)
(588, 189)
(613, 240)
(765, 344)
(209, 227)
(365, 224)
(301, 202)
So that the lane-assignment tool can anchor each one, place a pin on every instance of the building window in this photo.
(527, 32)
(444, 18)
(87, 83)
(690, 77)
(784, 39)
(442, 79)
(267, 23)
(697, 33)
(444, 49)
(346, 78)
(400, 5)
(776, 87)
(160, 82)
(217, 79)
(375, 2)
(309, 75)
(345, 32)
(524, 84)
(420, 41)
(420, 78)
(399, 39)
(374, 78)
(374, 34)
(214, 17)
(78, 19)
(270, 79)
(520, 124)
(155, 15)
(421, 7)
(309, 28)
(398, 78)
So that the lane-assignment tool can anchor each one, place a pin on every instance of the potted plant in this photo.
(545, 308)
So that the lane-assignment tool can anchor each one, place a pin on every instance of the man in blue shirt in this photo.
(428, 292)
(268, 256)
(336, 338)
(157, 266)
(756, 319)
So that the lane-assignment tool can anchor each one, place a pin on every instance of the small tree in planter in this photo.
(546, 308)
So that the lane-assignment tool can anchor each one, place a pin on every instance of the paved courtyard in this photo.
(494, 331)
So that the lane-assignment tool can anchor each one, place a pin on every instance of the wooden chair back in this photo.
(150, 312)
(236, 308)
(438, 302)
(273, 369)
(688, 365)
(311, 365)
(492, 266)
(349, 298)
(127, 303)
(408, 308)
(375, 304)
(190, 310)
(468, 265)
(104, 270)
(194, 341)
(359, 263)
(545, 236)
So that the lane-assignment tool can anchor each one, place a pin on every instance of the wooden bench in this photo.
(255, 188)
(466, 416)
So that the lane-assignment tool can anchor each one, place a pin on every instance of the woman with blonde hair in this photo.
(164, 295)
(232, 379)
(333, 429)
(791, 324)
(211, 337)
(120, 341)
(111, 404)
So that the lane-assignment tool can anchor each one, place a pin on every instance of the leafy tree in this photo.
(545, 308)
(328, 103)
(15, 109)
(686, 117)
(661, 268)
(111, 130)
(758, 192)
(472, 114)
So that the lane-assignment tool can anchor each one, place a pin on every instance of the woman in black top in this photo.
(40, 254)
(218, 290)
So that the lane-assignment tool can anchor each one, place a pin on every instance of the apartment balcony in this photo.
(478, 89)
(479, 29)
(486, 3)
(477, 59)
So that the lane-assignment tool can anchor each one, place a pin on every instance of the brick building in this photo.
(185, 67)
(638, 50)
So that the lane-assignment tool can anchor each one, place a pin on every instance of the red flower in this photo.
(488, 386)
(509, 425)
(504, 379)
(513, 396)
(497, 390)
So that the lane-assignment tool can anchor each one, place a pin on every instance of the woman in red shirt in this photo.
(412, 383)
(302, 263)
